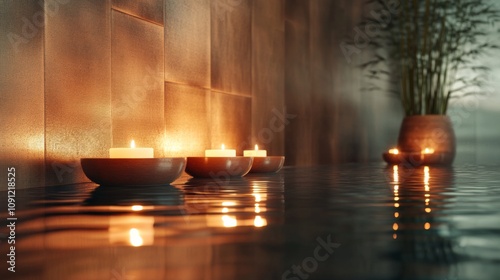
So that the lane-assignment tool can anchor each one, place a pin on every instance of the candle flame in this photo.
(256, 147)
(132, 144)
(222, 147)
(428, 151)
(394, 151)
(137, 207)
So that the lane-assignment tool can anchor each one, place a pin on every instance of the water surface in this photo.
(331, 222)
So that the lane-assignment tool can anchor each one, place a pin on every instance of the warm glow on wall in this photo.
(394, 151)
(132, 230)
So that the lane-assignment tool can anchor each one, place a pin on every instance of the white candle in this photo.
(220, 153)
(255, 153)
(131, 152)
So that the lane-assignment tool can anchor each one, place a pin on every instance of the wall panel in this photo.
(21, 92)
(77, 88)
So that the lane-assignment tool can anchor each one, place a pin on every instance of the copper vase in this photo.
(432, 132)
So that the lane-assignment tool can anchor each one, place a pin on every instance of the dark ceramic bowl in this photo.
(133, 171)
(271, 164)
(218, 167)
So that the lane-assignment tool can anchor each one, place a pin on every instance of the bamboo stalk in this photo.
(427, 39)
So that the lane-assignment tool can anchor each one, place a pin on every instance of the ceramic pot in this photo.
(428, 131)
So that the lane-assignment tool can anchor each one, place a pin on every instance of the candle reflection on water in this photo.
(395, 175)
(397, 198)
(427, 195)
(228, 219)
(259, 197)
(133, 230)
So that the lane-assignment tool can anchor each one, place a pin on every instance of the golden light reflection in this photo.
(135, 238)
(427, 189)
(132, 144)
(228, 203)
(395, 173)
(259, 221)
(137, 208)
(229, 221)
(258, 206)
(397, 199)
(427, 175)
(132, 230)
(259, 198)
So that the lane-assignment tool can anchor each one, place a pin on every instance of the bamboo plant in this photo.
(429, 50)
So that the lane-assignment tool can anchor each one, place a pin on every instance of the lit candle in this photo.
(131, 152)
(428, 151)
(255, 153)
(394, 151)
(220, 153)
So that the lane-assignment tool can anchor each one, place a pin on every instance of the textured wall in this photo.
(21, 92)
(335, 120)
(80, 77)
(77, 87)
